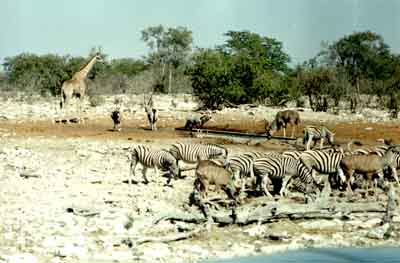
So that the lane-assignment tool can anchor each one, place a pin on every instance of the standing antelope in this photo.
(152, 114)
(369, 164)
(282, 118)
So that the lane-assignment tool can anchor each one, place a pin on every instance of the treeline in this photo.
(247, 68)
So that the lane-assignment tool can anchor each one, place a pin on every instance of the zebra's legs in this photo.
(327, 186)
(144, 171)
(341, 175)
(309, 142)
(156, 170)
(285, 182)
(132, 169)
(293, 129)
(284, 131)
(264, 185)
(394, 173)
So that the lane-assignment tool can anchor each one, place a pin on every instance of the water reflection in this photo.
(336, 255)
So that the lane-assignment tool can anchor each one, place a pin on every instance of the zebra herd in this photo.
(306, 171)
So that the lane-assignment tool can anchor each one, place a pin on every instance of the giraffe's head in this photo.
(98, 57)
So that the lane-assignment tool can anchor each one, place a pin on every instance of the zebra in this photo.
(149, 158)
(292, 154)
(378, 150)
(281, 168)
(313, 133)
(324, 162)
(193, 152)
(241, 164)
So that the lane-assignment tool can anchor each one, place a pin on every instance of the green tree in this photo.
(211, 78)
(170, 49)
(264, 51)
(247, 68)
(320, 84)
(32, 73)
(363, 55)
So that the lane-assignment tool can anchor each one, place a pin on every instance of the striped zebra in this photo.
(324, 162)
(193, 152)
(378, 150)
(313, 133)
(292, 154)
(158, 159)
(284, 169)
(241, 165)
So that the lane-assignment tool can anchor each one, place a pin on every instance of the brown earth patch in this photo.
(368, 133)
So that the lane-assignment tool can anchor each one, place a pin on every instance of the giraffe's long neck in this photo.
(85, 70)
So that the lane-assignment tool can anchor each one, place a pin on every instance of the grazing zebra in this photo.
(324, 162)
(161, 159)
(276, 168)
(309, 189)
(313, 133)
(241, 164)
(193, 152)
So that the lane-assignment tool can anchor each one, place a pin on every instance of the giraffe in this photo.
(76, 86)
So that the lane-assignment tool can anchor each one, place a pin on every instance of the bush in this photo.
(96, 100)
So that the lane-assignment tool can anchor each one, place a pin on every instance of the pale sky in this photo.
(74, 26)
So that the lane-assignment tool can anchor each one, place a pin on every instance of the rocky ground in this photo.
(65, 196)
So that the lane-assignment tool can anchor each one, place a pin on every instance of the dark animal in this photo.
(196, 121)
(116, 116)
(281, 120)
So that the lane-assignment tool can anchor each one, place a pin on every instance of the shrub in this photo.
(96, 100)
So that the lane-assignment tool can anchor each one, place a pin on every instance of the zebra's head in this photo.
(173, 167)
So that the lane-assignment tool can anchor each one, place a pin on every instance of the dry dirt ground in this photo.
(65, 196)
